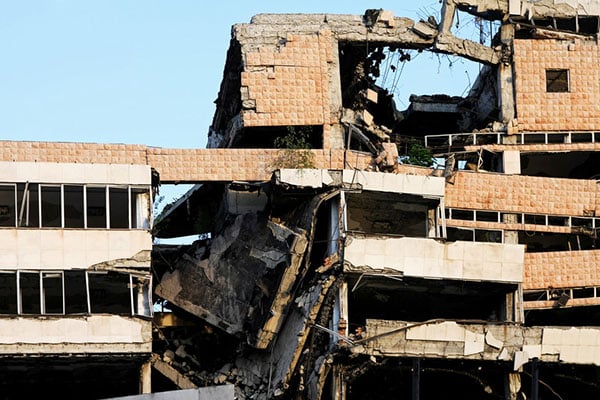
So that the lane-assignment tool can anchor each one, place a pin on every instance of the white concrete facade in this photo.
(429, 258)
(68, 248)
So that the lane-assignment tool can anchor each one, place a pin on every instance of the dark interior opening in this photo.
(266, 137)
(573, 165)
(388, 213)
(546, 241)
(74, 215)
(8, 292)
(564, 316)
(415, 300)
(110, 293)
(29, 211)
(51, 206)
(96, 207)
(439, 379)
(29, 284)
(52, 292)
(7, 205)
(119, 208)
(75, 292)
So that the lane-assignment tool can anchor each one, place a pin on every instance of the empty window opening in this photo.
(74, 215)
(557, 80)
(281, 137)
(119, 208)
(142, 299)
(388, 214)
(409, 299)
(75, 292)
(140, 208)
(51, 206)
(96, 207)
(29, 289)
(52, 293)
(7, 205)
(28, 205)
(546, 241)
(8, 292)
(109, 293)
(573, 165)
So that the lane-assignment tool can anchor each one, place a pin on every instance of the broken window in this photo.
(29, 291)
(140, 208)
(7, 205)
(109, 293)
(557, 80)
(96, 207)
(52, 293)
(51, 206)
(28, 205)
(8, 292)
(75, 292)
(74, 215)
(119, 207)
(142, 301)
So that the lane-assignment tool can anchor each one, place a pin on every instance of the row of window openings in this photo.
(530, 219)
(74, 206)
(74, 292)
(555, 294)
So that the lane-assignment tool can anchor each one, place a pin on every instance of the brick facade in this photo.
(537, 110)
(177, 165)
(523, 194)
(562, 269)
(289, 83)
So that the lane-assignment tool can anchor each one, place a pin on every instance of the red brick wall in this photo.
(540, 111)
(290, 83)
(562, 269)
(523, 194)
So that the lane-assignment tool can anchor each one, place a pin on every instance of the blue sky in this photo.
(147, 72)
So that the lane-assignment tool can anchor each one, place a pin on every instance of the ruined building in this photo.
(325, 266)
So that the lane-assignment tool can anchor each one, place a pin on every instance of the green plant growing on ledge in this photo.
(418, 155)
(295, 149)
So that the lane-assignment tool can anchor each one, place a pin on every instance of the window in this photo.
(75, 292)
(119, 207)
(51, 206)
(96, 207)
(74, 206)
(7, 205)
(557, 80)
(29, 290)
(110, 293)
(8, 292)
(28, 204)
(74, 215)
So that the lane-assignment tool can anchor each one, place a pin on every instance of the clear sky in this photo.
(148, 71)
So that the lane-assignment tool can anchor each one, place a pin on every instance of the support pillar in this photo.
(416, 379)
(146, 377)
(338, 386)
(512, 386)
(535, 379)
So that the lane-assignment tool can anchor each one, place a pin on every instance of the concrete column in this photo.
(512, 386)
(416, 379)
(146, 377)
(506, 97)
(338, 386)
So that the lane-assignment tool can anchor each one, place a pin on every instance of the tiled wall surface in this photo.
(562, 269)
(537, 110)
(523, 194)
(176, 165)
(289, 83)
